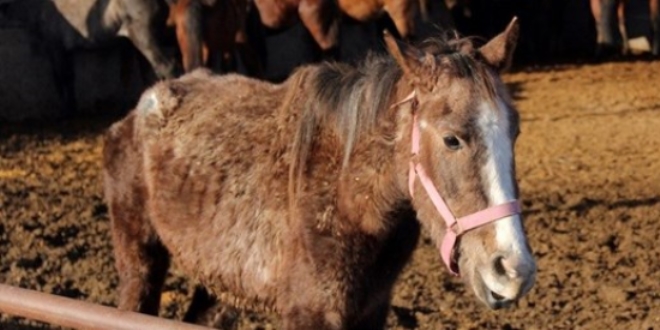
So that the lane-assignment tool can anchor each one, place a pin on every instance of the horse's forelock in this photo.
(458, 57)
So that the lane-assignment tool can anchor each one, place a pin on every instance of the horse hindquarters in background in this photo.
(611, 14)
(211, 32)
(319, 17)
(402, 12)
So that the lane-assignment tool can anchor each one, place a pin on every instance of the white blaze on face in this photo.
(497, 174)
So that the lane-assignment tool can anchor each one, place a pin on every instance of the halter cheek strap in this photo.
(455, 227)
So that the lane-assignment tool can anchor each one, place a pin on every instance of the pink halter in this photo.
(455, 227)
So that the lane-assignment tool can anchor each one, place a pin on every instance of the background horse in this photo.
(304, 198)
(209, 32)
(321, 17)
(65, 25)
(606, 11)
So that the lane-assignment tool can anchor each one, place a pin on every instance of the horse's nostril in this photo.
(498, 264)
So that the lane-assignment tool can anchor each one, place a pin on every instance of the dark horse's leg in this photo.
(140, 258)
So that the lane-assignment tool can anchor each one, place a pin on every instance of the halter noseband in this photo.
(455, 227)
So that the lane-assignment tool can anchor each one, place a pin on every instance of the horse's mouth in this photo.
(497, 301)
(492, 298)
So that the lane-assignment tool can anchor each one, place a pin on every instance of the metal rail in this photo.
(79, 314)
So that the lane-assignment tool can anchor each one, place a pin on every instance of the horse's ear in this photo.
(498, 52)
(409, 58)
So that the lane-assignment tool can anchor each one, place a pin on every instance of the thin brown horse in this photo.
(321, 17)
(606, 11)
(304, 197)
(210, 32)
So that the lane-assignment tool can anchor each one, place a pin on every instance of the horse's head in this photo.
(462, 130)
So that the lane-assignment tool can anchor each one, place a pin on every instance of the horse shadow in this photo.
(586, 204)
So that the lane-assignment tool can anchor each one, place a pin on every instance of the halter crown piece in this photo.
(455, 227)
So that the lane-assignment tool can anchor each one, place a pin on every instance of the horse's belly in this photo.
(221, 227)
(227, 252)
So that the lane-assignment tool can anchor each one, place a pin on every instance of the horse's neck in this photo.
(374, 183)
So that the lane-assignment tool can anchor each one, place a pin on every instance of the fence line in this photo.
(79, 314)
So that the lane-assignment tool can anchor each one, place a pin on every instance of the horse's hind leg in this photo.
(142, 265)
(140, 258)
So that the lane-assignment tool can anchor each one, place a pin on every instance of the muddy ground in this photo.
(589, 171)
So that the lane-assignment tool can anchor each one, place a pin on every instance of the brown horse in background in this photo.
(304, 197)
(606, 11)
(321, 17)
(211, 32)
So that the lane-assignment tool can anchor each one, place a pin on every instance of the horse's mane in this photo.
(352, 98)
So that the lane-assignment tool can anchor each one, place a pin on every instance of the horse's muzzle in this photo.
(505, 280)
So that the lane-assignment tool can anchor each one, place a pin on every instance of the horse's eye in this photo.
(452, 142)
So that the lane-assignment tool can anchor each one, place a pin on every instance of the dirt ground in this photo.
(589, 170)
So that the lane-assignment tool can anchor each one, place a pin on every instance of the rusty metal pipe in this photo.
(79, 314)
